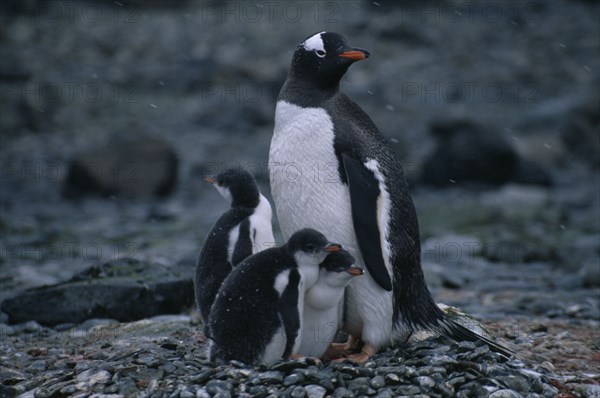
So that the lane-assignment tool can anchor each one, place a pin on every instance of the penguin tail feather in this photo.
(458, 332)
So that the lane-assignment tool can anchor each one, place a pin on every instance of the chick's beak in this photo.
(333, 247)
(355, 271)
(355, 54)
(210, 179)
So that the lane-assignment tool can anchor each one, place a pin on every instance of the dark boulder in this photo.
(470, 153)
(581, 133)
(140, 167)
(124, 290)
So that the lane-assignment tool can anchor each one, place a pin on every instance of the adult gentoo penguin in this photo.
(242, 230)
(348, 184)
(324, 303)
(257, 316)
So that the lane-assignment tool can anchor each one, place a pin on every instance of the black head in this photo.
(237, 186)
(310, 242)
(323, 58)
(341, 261)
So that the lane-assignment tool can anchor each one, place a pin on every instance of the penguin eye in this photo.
(310, 247)
(320, 53)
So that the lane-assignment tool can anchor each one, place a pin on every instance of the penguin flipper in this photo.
(243, 246)
(289, 312)
(364, 194)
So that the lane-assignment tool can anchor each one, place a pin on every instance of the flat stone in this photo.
(272, 377)
(125, 290)
(11, 376)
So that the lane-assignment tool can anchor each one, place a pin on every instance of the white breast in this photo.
(322, 318)
(304, 176)
(308, 193)
(261, 230)
(234, 235)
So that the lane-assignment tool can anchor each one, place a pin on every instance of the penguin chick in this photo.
(324, 304)
(242, 230)
(257, 315)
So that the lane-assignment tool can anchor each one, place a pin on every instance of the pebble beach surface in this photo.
(520, 254)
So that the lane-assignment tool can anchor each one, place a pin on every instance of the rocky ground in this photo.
(85, 84)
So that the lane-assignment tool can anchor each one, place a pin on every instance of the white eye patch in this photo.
(315, 43)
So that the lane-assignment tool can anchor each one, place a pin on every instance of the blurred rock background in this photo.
(112, 111)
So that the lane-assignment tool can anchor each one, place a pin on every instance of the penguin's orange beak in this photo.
(356, 54)
(333, 247)
(209, 179)
(355, 271)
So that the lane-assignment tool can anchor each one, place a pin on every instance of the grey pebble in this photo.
(549, 391)
(466, 346)
(378, 382)
(457, 381)
(202, 393)
(588, 390)
(315, 391)
(342, 392)
(385, 393)
(408, 390)
(112, 389)
(271, 377)
(100, 377)
(293, 379)
(505, 394)
(37, 366)
(359, 386)
(445, 389)
(217, 386)
(41, 393)
(148, 360)
(516, 383)
(68, 390)
(201, 377)
(392, 379)
(258, 391)
(168, 368)
(426, 381)
(298, 392)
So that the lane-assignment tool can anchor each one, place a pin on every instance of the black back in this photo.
(213, 266)
(245, 317)
(248, 310)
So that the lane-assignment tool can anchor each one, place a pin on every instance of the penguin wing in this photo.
(243, 245)
(289, 311)
(364, 195)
